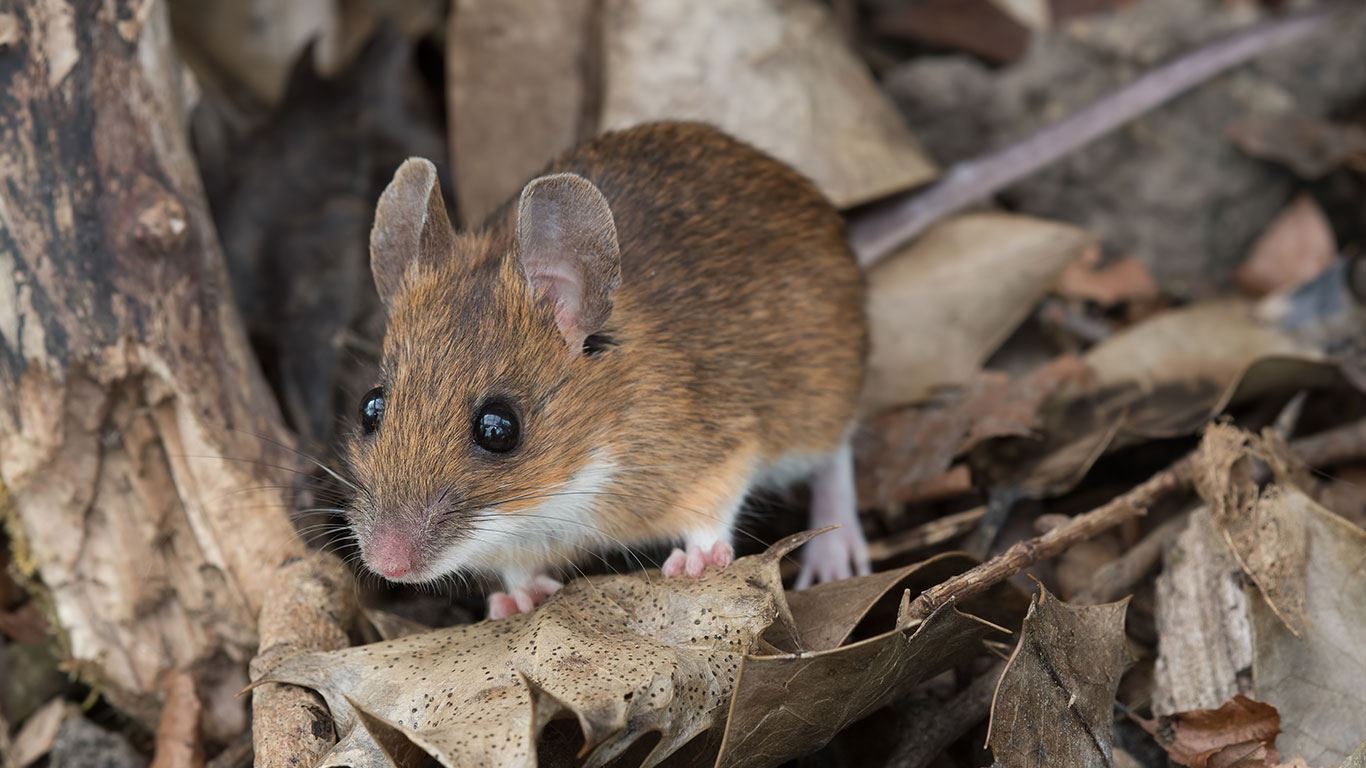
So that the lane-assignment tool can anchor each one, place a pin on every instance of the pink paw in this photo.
(832, 556)
(694, 562)
(523, 599)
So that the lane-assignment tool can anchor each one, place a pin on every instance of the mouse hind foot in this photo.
(523, 595)
(843, 552)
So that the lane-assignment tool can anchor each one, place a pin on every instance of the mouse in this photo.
(663, 321)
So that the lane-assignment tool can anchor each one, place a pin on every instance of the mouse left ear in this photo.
(567, 248)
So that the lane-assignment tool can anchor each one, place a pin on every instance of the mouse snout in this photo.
(392, 555)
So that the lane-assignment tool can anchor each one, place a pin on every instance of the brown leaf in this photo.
(789, 705)
(1306, 615)
(779, 76)
(971, 279)
(1266, 537)
(628, 655)
(978, 27)
(1240, 733)
(1054, 704)
(1124, 281)
(1310, 147)
(625, 655)
(35, 739)
(1298, 245)
(918, 442)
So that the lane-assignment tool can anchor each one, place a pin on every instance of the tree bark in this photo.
(142, 455)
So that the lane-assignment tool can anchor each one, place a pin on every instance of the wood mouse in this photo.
(664, 320)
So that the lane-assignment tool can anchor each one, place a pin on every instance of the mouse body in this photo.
(663, 321)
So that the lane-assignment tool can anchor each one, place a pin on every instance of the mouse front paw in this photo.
(697, 558)
(835, 555)
(522, 599)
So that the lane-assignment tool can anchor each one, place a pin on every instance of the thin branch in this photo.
(877, 232)
(1332, 446)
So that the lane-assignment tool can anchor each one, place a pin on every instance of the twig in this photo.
(929, 730)
(1118, 576)
(178, 743)
(885, 227)
(926, 535)
(1328, 447)
(310, 608)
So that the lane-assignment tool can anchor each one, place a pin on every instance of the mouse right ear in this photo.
(411, 226)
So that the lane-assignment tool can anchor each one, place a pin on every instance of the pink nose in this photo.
(392, 555)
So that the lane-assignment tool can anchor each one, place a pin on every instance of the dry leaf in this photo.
(1124, 281)
(1310, 147)
(777, 75)
(918, 442)
(1240, 733)
(1296, 247)
(978, 27)
(35, 739)
(1035, 14)
(1318, 681)
(1266, 535)
(938, 309)
(1307, 615)
(628, 655)
(1327, 313)
(1213, 342)
(1055, 702)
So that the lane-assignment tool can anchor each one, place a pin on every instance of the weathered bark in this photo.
(310, 608)
(139, 447)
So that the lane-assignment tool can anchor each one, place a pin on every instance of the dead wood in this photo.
(178, 743)
(311, 608)
(138, 443)
(1114, 579)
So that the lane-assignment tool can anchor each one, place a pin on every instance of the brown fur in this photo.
(737, 332)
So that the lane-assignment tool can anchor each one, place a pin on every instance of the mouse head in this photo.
(482, 443)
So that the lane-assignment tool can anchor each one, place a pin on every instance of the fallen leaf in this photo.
(913, 444)
(1124, 281)
(1035, 14)
(1267, 537)
(1055, 702)
(778, 76)
(626, 656)
(1310, 147)
(938, 309)
(1306, 613)
(1318, 681)
(979, 27)
(1297, 246)
(35, 739)
(1240, 733)
(1327, 313)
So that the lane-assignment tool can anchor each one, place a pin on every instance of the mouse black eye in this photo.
(372, 410)
(496, 428)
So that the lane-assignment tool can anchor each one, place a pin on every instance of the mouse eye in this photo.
(372, 410)
(495, 427)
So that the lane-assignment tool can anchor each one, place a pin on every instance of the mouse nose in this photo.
(392, 555)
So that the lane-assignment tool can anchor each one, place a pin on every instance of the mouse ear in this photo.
(567, 248)
(411, 226)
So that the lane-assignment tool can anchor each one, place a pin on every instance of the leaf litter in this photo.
(625, 656)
